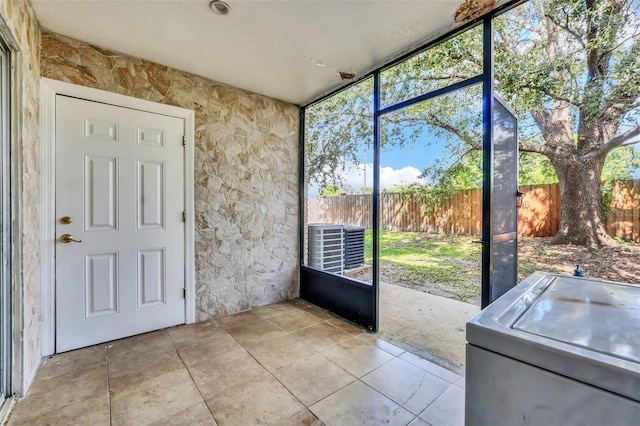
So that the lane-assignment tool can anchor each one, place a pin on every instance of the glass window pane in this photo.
(339, 182)
(504, 213)
(442, 65)
(430, 212)
(505, 167)
(431, 196)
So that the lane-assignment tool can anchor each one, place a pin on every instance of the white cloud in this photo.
(390, 177)
(354, 178)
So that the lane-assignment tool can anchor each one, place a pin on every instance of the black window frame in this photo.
(344, 296)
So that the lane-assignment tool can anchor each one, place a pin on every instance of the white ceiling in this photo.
(289, 50)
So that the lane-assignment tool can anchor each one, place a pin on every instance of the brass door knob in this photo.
(68, 238)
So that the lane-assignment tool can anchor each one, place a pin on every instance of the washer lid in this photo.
(600, 316)
(583, 329)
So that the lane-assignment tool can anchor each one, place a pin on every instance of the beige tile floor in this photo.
(283, 364)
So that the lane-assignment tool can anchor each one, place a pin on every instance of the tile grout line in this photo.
(289, 333)
(318, 352)
(392, 400)
(190, 376)
(372, 388)
(425, 373)
(308, 407)
(277, 380)
(271, 374)
(359, 379)
(295, 331)
(415, 416)
(434, 401)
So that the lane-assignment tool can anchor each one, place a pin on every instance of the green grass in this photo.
(450, 265)
(438, 263)
(525, 268)
(416, 249)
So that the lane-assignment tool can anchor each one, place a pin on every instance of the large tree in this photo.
(573, 67)
(570, 69)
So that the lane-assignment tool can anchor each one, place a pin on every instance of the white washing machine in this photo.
(556, 350)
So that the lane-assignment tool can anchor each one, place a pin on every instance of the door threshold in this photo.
(6, 408)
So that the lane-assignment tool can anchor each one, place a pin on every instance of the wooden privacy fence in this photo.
(539, 215)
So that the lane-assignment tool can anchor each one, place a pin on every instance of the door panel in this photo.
(504, 213)
(101, 180)
(100, 131)
(150, 196)
(151, 277)
(101, 284)
(119, 177)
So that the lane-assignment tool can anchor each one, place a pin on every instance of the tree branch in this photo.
(565, 26)
(616, 142)
(538, 149)
(553, 96)
(624, 100)
(592, 34)
(451, 129)
(464, 154)
(622, 43)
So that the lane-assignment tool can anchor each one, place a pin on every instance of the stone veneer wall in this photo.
(21, 23)
(246, 172)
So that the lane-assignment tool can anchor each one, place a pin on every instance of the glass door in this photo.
(503, 241)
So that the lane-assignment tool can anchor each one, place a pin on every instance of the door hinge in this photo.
(184, 140)
(184, 216)
(184, 293)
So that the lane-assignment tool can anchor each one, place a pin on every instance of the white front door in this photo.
(120, 184)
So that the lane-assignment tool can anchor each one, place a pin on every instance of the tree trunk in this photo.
(581, 212)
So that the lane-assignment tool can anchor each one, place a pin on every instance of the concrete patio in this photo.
(433, 326)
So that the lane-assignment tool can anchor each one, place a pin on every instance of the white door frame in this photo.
(7, 213)
(48, 91)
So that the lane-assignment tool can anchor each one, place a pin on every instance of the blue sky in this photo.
(419, 155)
(400, 166)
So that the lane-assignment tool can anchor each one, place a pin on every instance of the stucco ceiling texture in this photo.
(291, 50)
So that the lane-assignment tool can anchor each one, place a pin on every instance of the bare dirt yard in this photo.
(620, 263)
(449, 265)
